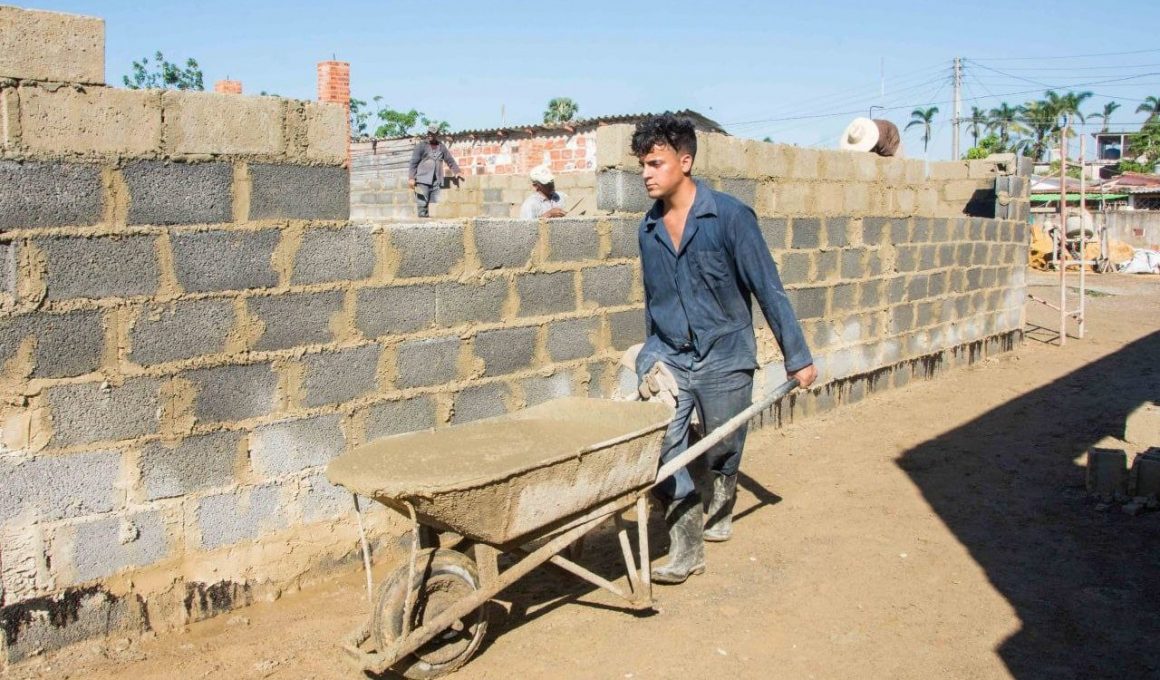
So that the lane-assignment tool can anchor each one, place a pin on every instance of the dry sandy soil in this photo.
(939, 531)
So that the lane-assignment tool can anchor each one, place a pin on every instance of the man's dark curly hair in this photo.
(673, 131)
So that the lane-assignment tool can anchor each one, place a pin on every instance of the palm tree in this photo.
(976, 122)
(1106, 116)
(1067, 105)
(1151, 106)
(560, 110)
(1004, 118)
(923, 117)
(1039, 120)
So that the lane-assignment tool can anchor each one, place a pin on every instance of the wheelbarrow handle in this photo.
(729, 427)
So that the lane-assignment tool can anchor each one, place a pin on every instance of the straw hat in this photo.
(860, 135)
(541, 174)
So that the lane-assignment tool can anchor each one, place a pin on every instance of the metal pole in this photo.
(1082, 237)
(1061, 236)
(958, 108)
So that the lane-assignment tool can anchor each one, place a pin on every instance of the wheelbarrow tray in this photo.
(498, 479)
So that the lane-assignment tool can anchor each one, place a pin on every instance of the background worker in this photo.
(425, 173)
(545, 201)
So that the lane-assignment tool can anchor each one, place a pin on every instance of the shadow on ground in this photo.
(1085, 583)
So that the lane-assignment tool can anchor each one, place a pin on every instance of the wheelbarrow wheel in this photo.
(442, 578)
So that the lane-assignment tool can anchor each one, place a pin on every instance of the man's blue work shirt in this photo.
(697, 297)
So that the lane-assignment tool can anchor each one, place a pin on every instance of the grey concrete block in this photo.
(65, 345)
(427, 249)
(8, 268)
(625, 237)
(90, 612)
(539, 389)
(928, 257)
(335, 377)
(572, 240)
(294, 445)
(232, 393)
(744, 190)
(974, 279)
(917, 287)
(835, 231)
(806, 232)
(344, 254)
(626, 328)
(497, 210)
(873, 294)
(428, 362)
(925, 314)
(480, 401)
(397, 417)
(981, 254)
(299, 192)
(492, 195)
(575, 339)
(546, 293)
(828, 262)
(899, 231)
(179, 193)
(774, 230)
(794, 267)
(1107, 473)
(844, 298)
(101, 548)
(808, 303)
(853, 263)
(295, 319)
(193, 464)
(906, 259)
(946, 255)
(208, 261)
(506, 350)
(181, 330)
(60, 486)
(85, 412)
(940, 230)
(921, 232)
(991, 231)
(396, 309)
(607, 286)
(49, 194)
(621, 191)
(901, 319)
(457, 303)
(245, 514)
(100, 267)
(895, 290)
(875, 230)
(937, 284)
(506, 243)
(321, 500)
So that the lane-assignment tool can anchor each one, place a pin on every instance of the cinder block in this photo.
(295, 319)
(209, 122)
(397, 417)
(36, 194)
(853, 263)
(298, 192)
(546, 293)
(336, 377)
(844, 298)
(506, 350)
(427, 362)
(621, 191)
(539, 389)
(915, 171)
(937, 284)
(506, 243)
(327, 132)
(344, 254)
(901, 319)
(856, 198)
(427, 249)
(179, 193)
(614, 146)
(808, 303)
(60, 486)
(1107, 473)
(65, 345)
(100, 267)
(106, 546)
(181, 330)
(575, 339)
(245, 514)
(826, 267)
(949, 170)
(86, 412)
(875, 230)
(806, 232)
(1146, 471)
(805, 163)
(794, 267)
(92, 613)
(627, 328)
(625, 237)
(572, 240)
(1142, 427)
(292, 446)
(94, 120)
(744, 190)
(607, 286)
(208, 261)
(873, 295)
(835, 231)
(193, 464)
(480, 401)
(8, 268)
(63, 48)
(457, 303)
(774, 230)
(321, 500)
(396, 309)
(233, 393)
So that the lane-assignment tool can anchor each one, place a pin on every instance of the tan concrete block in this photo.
(96, 120)
(613, 146)
(915, 171)
(927, 201)
(856, 198)
(903, 201)
(828, 197)
(209, 122)
(806, 163)
(949, 170)
(735, 159)
(327, 131)
(765, 201)
(769, 160)
(892, 170)
(866, 167)
(959, 190)
(795, 198)
(838, 165)
(38, 45)
(879, 200)
(9, 117)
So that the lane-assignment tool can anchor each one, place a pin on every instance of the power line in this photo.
(1072, 56)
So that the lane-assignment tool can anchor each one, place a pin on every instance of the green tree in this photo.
(1004, 119)
(1038, 121)
(397, 123)
(1106, 116)
(923, 117)
(986, 146)
(976, 123)
(1145, 145)
(163, 75)
(359, 115)
(560, 110)
(1151, 106)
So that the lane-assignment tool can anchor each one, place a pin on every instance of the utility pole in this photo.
(958, 113)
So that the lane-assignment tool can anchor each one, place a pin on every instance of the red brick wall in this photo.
(562, 152)
(334, 86)
(228, 86)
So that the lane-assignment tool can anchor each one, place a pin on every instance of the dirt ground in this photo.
(938, 531)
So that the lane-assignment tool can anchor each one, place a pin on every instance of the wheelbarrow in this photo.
(529, 484)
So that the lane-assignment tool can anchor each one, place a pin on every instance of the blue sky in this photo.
(794, 71)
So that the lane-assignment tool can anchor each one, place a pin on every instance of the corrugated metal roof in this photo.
(703, 123)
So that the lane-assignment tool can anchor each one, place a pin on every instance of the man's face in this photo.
(663, 169)
(545, 189)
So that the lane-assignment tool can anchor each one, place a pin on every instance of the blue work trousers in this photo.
(716, 397)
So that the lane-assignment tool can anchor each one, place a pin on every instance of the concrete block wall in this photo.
(386, 196)
(173, 264)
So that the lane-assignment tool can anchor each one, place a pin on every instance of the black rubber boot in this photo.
(684, 520)
(719, 522)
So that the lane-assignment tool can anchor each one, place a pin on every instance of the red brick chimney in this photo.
(334, 87)
(228, 86)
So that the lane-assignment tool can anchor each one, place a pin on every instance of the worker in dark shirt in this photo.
(425, 173)
(703, 259)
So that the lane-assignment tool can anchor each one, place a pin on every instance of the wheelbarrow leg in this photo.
(642, 545)
(634, 583)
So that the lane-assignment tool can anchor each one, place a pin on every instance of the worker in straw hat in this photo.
(876, 136)
(545, 201)
(425, 174)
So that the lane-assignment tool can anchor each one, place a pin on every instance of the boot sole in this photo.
(717, 539)
(672, 580)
